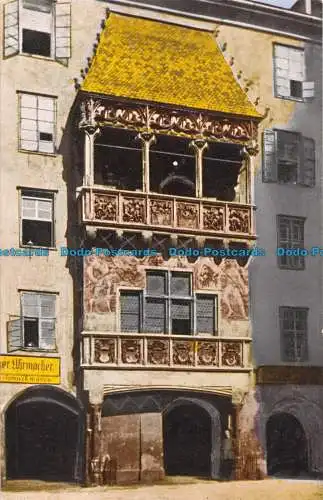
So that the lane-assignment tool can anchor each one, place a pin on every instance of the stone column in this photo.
(237, 399)
(96, 400)
(147, 140)
(90, 135)
(251, 151)
(199, 146)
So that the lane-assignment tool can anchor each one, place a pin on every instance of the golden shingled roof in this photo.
(152, 61)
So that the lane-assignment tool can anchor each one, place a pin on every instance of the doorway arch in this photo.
(44, 434)
(286, 445)
(192, 438)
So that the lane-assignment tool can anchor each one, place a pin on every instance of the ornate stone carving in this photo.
(213, 218)
(104, 351)
(231, 354)
(134, 210)
(239, 220)
(152, 118)
(187, 215)
(207, 353)
(131, 351)
(183, 352)
(105, 207)
(161, 212)
(158, 352)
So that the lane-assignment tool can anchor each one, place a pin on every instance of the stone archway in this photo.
(44, 434)
(286, 446)
(192, 438)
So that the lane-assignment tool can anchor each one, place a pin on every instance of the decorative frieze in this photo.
(197, 216)
(143, 118)
(105, 207)
(232, 354)
(214, 218)
(168, 351)
(158, 352)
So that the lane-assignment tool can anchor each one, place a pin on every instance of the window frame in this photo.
(51, 196)
(16, 325)
(291, 244)
(54, 123)
(275, 85)
(168, 297)
(60, 31)
(270, 160)
(294, 332)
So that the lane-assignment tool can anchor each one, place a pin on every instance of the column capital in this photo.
(147, 137)
(199, 144)
(237, 397)
(252, 148)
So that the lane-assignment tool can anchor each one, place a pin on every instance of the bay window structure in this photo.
(35, 328)
(37, 218)
(168, 305)
(38, 27)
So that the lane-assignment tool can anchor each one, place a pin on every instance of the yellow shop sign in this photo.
(29, 370)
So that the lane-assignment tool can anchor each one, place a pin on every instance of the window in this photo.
(37, 123)
(38, 27)
(290, 236)
(168, 305)
(172, 166)
(118, 159)
(37, 218)
(289, 73)
(293, 328)
(289, 158)
(35, 328)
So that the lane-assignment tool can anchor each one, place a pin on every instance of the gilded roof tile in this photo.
(152, 61)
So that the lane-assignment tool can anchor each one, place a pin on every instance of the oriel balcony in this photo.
(167, 184)
(181, 352)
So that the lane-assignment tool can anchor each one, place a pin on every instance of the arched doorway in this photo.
(286, 446)
(44, 436)
(191, 437)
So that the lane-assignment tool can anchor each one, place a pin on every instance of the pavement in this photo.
(173, 489)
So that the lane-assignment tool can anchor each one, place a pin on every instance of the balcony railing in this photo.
(152, 351)
(106, 207)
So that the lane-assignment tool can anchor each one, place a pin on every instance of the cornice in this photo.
(240, 13)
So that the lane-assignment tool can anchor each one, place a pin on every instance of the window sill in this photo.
(296, 99)
(38, 56)
(36, 349)
(38, 153)
(31, 247)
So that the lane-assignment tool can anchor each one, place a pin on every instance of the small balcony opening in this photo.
(221, 166)
(118, 159)
(172, 166)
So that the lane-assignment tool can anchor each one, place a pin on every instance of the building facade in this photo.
(155, 161)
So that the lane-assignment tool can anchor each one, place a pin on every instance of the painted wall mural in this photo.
(104, 275)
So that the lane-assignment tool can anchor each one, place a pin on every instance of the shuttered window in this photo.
(168, 305)
(289, 74)
(293, 329)
(290, 233)
(38, 27)
(35, 329)
(288, 158)
(37, 218)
